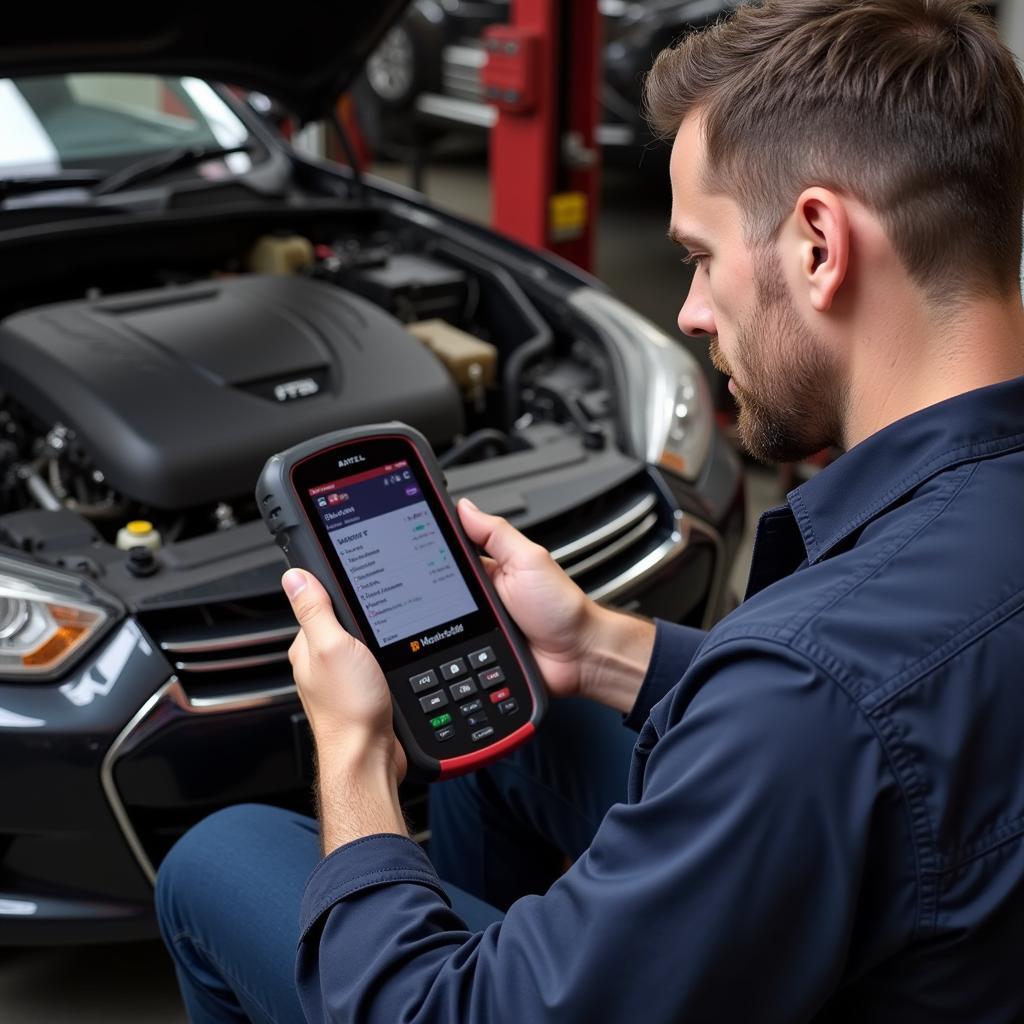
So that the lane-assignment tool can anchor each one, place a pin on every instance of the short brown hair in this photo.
(913, 107)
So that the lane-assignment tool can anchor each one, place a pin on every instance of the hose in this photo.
(541, 339)
(470, 444)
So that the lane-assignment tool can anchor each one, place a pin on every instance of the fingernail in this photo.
(471, 504)
(294, 582)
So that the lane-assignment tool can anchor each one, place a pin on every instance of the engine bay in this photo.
(153, 388)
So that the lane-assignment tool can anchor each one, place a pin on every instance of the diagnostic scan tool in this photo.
(367, 512)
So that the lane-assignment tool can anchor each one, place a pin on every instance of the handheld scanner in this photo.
(367, 512)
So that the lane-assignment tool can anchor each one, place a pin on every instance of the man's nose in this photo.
(695, 317)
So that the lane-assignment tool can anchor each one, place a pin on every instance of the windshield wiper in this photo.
(43, 182)
(154, 166)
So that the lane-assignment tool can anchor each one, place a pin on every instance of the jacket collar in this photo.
(878, 472)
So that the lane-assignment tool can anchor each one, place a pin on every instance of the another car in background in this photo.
(424, 78)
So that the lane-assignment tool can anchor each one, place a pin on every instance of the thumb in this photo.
(312, 608)
(494, 534)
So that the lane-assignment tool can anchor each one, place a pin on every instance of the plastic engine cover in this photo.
(181, 394)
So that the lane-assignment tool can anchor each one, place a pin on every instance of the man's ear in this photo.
(823, 229)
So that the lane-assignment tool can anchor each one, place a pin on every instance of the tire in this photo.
(407, 62)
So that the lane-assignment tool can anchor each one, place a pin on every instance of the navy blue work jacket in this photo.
(825, 818)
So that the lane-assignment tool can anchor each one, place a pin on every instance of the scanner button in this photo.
(441, 720)
(481, 659)
(461, 690)
(445, 734)
(470, 707)
(476, 720)
(491, 677)
(508, 707)
(423, 681)
(453, 669)
(433, 701)
(481, 734)
(499, 695)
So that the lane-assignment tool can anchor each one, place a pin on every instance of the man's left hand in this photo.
(348, 704)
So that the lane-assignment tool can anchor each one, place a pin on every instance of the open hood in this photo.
(304, 56)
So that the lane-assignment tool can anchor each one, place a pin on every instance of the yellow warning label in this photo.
(567, 215)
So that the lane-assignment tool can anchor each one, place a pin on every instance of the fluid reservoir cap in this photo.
(138, 533)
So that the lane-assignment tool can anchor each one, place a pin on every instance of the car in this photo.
(183, 293)
(424, 79)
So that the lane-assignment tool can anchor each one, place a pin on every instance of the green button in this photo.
(440, 720)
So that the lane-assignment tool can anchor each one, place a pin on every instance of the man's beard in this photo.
(791, 402)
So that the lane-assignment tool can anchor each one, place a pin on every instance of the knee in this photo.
(204, 860)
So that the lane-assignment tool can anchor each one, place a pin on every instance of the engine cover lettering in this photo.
(302, 388)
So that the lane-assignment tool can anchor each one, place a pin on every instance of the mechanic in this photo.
(824, 814)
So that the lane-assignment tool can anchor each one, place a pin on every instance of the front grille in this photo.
(225, 649)
(610, 544)
(221, 650)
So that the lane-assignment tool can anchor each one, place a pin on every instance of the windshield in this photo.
(102, 122)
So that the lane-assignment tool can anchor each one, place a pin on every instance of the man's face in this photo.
(787, 382)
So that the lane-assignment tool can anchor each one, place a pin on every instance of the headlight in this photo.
(669, 412)
(46, 618)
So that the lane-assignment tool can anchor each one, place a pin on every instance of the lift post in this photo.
(543, 74)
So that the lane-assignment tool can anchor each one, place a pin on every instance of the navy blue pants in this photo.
(228, 893)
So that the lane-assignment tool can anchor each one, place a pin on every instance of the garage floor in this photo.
(132, 983)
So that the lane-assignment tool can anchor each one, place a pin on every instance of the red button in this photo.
(499, 695)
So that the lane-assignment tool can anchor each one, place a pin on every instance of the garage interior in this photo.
(631, 254)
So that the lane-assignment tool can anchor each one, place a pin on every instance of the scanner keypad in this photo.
(457, 683)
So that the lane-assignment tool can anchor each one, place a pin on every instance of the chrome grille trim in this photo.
(229, 664)
(170, 693)
(232, 702)
(110, 789)
(610, 551)
(229, 642)
(669, 550)
(606, 531)
(719, 580)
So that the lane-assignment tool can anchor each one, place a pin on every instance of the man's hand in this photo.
(347, 701)
(580, 648)
(556, 617)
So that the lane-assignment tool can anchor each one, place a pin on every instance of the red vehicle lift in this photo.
(543, 74)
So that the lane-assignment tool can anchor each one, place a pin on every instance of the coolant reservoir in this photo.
(280, 254)
(139, 533)
(472, 362)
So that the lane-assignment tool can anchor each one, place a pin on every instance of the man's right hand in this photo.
(556, 617)
(580, 648)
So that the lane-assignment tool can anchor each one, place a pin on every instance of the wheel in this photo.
(407, 62)
(391, 71)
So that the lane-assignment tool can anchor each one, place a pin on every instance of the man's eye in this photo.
(696, 260)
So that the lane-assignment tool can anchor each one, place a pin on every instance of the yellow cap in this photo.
(139, 526)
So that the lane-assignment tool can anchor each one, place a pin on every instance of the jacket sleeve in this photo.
(674, 649)
(725, 892)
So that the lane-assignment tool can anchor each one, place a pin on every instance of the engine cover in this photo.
(180, 394)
